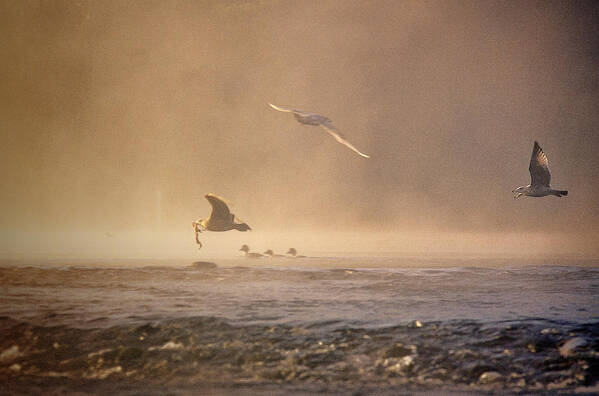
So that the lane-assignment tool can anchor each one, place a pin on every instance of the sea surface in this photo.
(328, 325)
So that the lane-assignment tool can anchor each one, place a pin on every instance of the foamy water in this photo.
(375, 322)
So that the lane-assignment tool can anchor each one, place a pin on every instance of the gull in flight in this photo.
(319, 120)
(221, 219)
(540, 178)
(246, 250)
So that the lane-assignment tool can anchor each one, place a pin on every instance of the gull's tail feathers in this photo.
(242, 227)
(560, 193)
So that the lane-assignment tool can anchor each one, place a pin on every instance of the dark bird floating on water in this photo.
(246, 250)
(270, 253)
(293, 253)
(319, 120)
(540, 178)
(221, 219)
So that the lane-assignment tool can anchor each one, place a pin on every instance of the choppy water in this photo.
(302, 328)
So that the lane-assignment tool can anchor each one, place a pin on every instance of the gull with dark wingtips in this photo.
(540, 178)
(304, 117)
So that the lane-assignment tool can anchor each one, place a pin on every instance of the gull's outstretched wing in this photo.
(328, 126)
(302, 114)
(316, 119)
(539, 167)
(220, 210)
(285, 109)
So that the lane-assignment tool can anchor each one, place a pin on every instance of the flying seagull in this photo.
(221, 218)
(540, 178)
(319, 120)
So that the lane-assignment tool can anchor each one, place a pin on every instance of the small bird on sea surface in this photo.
(221, 218)
(246, 250)
(540, 178)
(304, 117)
(293, 253)
(270, 253)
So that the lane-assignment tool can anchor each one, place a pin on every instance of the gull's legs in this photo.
(197, 229)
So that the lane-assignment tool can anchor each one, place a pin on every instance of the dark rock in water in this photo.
(475, 370)
(397, 350)
(156, 268)
(539, 343)
(129, 354)
(204, 265)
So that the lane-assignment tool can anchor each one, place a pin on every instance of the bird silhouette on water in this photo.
(246, 250)
(293, 253)
(270, 253)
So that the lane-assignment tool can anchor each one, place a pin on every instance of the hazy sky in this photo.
(121, 115)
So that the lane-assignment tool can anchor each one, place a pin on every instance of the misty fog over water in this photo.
(117, 118)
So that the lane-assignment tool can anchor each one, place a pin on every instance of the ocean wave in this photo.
(520, 356)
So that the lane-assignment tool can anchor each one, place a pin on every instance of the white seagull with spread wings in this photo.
(319, 120)
(540, 178)
(221, 218)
